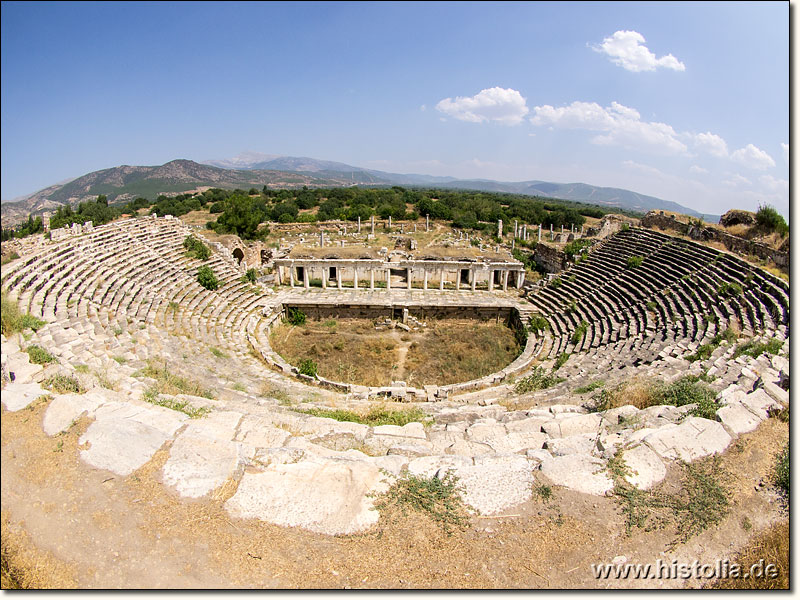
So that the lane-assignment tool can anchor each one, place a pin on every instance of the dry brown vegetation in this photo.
(353, 351)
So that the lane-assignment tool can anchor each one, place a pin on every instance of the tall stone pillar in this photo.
(500, 228)
(427, 223)
(372, 279)
(425, 279)
(325, 277)
(474, 276)
(515, 229)
(291, 276)
(388, 279)
(372, 225)
(441, 280)
(321, 239)
(339, 277)
(408, 276)
(359, 224)
(520, 279)
(505, 281)
(355, 278)
(540, 232)
(390, 222)
(491, 280)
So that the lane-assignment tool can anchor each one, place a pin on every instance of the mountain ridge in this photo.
(126, 182)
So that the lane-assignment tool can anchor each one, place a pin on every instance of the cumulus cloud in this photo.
(698, 170)
(737, 180)
(506, 106)
(627, 50)
(774, 185)
(785, 148)
(753, 158)
(711, 143)
(617, 124)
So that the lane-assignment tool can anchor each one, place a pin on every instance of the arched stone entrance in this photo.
(238, 254)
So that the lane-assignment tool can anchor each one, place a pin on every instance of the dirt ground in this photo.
(353, 351)
(67, 525)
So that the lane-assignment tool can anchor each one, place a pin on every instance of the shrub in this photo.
(39, 356)
(250, 276)
(769, 218)
(560, 360)
(756, 349)
(539, 379)
(688, 390)
(635, 261)
(206, 278)
(196, 248)
(555, 283)
(590, 387)
(295, 316)
(308, 367)
(439, 498)
(652, 306)
(14, 321)
(579, 332)
(63, 384)
(538, 323)
(729, 290)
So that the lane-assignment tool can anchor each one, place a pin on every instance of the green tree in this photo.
(206, 278)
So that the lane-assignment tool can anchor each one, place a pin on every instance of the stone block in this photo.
(17, 396)
(694, 438)
(737, 419)
(578, 472)
(645, 469)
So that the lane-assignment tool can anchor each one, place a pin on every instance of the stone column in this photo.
(562, 229)
(372, 225)
(355, 278)
(408, 275)
(425, 279)
(279, 275)
(441, 280)
(415, 228)
(513, 242)
(321, 239)
(540, 232)
(524, 232)
(372, 279)
(388, 279)
(359, 224)
(291, 276)
(505, 281)
(520, 279)
(491, 280)
(515, 229)
(390, 222)
(581, 230)
(500, 228)
(339, 277)
(427, 223)
(474, 276)
(573, 228)
(324, 277)
(402, 227)
(458, 279)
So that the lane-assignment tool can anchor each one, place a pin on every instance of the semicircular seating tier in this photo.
(681, 295)
(96, 285)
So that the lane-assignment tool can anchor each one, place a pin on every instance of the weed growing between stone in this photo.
(782, 471)
(63, 384)
(193, 412)
(39, 355)
(440, 499)
(376, 416)
(13, 320)
(539, 379)
(171, 384)
(701, 502)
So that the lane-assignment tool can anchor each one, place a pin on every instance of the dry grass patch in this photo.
(25, 567)
(771, 546)
(353, 351)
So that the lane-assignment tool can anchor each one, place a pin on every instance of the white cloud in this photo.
(697, 170)
(711, 143)
(627, 49)
(423, 108)
(504, 106)
(773, 185)
(620, 125)
(785, 148)
(647, 169)
(753, 158)
(737, 180)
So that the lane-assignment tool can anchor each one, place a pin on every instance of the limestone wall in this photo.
(550, 258)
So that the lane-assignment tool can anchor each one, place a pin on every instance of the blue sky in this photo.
(684, 101)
